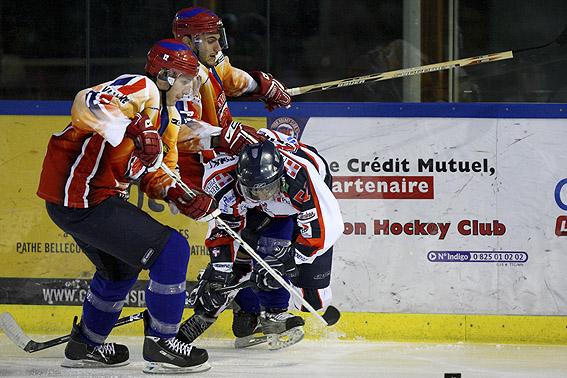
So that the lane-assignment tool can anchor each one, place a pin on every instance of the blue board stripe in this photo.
(336, 109)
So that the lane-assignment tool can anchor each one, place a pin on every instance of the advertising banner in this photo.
(442, 215)
(448, 215)
(40, 263)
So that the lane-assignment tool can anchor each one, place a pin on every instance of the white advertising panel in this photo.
(448, 215)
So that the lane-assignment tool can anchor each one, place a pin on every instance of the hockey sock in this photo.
(274, 299)
(165, 294)
(102, 307)
(279, 228)
(248, 301)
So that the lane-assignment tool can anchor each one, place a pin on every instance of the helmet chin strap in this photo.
(164, 76)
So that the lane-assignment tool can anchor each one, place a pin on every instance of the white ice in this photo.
(328, 358)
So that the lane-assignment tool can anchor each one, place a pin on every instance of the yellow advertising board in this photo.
(32, 246)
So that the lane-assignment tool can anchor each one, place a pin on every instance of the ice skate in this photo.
(79, 354)
(282, 329)
(172, 356)
(247, 329)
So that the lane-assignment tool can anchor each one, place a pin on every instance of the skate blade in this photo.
(165, 368)
(67, 363)
(248, 341)
(285, 339)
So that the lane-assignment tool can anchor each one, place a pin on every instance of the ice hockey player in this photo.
(279, 200)
(209, 114)
(118, 133)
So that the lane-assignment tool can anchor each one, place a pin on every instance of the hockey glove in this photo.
(241, 267)
(263, 279)
(147, 140)
(235, 137)
(206, 294)
(201, 207)
(271, 91)
(287, 256)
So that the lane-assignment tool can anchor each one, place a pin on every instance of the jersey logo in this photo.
(109, 91)
(291, 168)
(307, 216)
(230, 132)
(306, 230)
(218, 182)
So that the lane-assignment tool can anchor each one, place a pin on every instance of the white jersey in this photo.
(306, 197)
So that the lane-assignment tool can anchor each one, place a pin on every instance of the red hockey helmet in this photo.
(173, 56)
(196, 20)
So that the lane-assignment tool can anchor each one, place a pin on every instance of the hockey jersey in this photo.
(91, 160)
(306, 197)
(203, 115)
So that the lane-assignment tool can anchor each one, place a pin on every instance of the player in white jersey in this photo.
(284, 208)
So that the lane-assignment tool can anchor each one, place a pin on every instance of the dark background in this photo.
(51, 49)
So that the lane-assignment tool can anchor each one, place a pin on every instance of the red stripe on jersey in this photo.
(137, 86)
(83, 170)
(312, 156)
(317, 243)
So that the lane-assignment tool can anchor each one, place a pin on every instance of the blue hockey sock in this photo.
(274, 299)
(248, 301)
(165, 294)
(102, 307)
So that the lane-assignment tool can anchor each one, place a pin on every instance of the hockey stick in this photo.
(331, 314)
(15, 333)
(561, 40)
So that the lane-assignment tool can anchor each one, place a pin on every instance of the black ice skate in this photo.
(247, 329)
(172, 356)
(282, 329)
(79, 354)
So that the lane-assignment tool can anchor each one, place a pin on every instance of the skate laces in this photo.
(105, 349)
(279, 316)
(179, 346)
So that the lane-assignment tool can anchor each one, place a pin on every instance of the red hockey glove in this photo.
(146, 139)
(271, 91)
(201, 207)
(235, 137)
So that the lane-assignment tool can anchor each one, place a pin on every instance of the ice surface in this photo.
(320, 359)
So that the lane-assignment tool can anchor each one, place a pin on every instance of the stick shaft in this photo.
(401, 73)
(23, 341)
(247, 248)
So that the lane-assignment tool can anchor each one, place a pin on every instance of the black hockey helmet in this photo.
(260, 171)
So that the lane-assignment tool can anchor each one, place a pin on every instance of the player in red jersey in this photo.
(208, 114)
(119, 132)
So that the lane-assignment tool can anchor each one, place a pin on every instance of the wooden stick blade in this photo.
(13, 330)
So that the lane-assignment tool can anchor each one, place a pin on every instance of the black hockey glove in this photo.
(263, 279)
(287, 256)
(206, 294)
(241, 267)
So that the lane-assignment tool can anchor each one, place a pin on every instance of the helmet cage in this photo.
(261, 192)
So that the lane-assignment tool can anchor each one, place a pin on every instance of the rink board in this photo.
(452, 212)
(445, 328)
